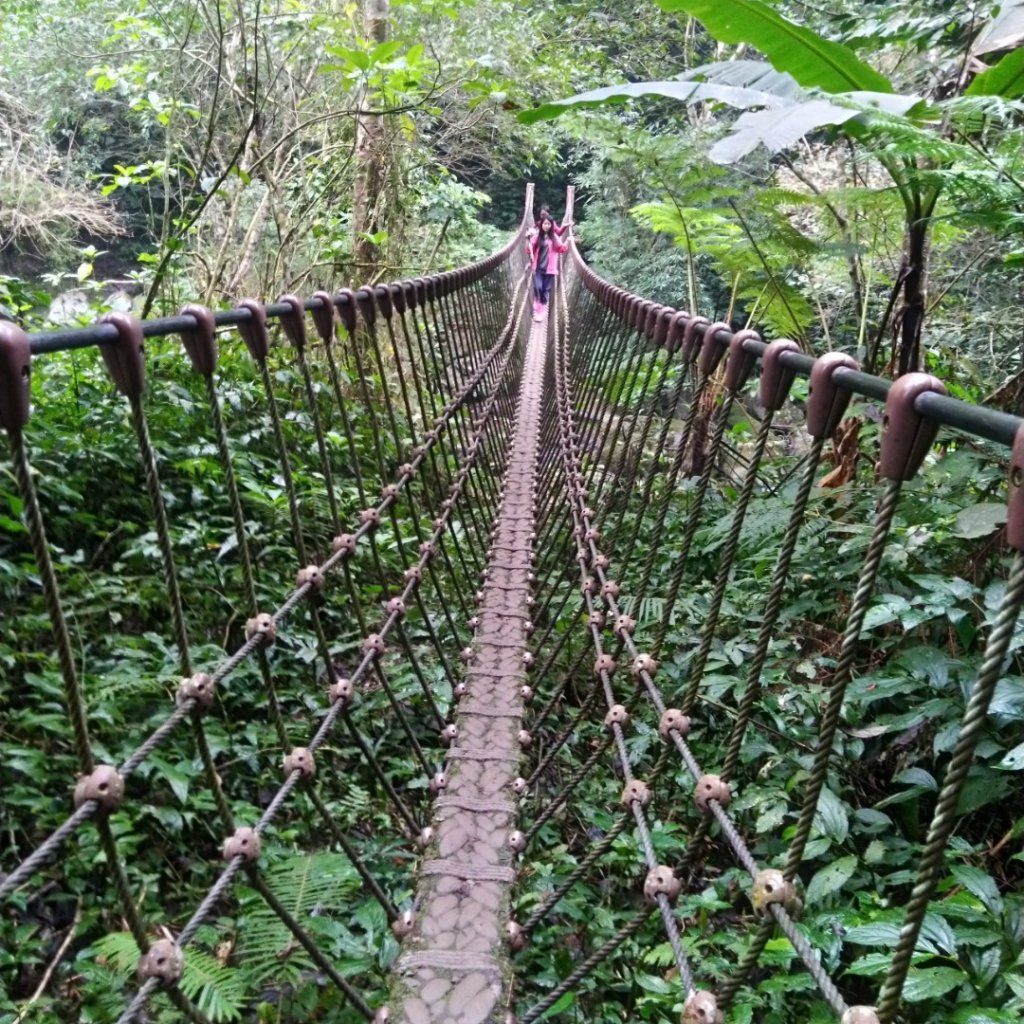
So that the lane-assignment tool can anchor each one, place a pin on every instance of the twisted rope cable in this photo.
(241, 536)
(49, 846)
(651, 476)
(298, 541)
(631, 797)
(930, 867)
(772, 607)
(163, 533)
(593, 961)
(318, 431)
(346, 418)
(596, 851)
(372, 653)
(695, 674)
(676, 467)
(342, 840)
(843, 672)
(51, 592)
(643, 667)
(721, 421)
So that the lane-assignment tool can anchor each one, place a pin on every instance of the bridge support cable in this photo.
(711, 794)
(510, 455)
(915, 409)
(452, 966)
(373, 648)
(660, 887)
(343, 551)
(930, 870)
(101, 789)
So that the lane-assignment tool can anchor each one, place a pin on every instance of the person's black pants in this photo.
(542, 286)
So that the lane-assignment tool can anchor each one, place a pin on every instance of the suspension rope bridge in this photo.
(516, 511)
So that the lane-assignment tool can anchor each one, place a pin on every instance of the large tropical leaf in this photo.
(686, 92)
(813, 61)
(780, 128)
(1004, 31)
(747, 74)
(1005, 79)
(787, 112)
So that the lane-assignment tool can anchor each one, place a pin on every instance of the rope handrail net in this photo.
(515, 605)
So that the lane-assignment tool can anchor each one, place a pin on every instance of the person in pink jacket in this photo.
(544, 249)
(545, 212)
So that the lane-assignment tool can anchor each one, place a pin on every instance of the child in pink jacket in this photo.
(544, 249)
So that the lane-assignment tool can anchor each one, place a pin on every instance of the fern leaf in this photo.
(318, 884)
(217, 990)
(118, 950)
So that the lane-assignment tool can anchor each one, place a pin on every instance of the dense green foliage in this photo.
(935, 601)
(865, 197)
(857, 207)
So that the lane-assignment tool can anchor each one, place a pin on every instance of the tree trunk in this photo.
(370, 173)
(915, 283)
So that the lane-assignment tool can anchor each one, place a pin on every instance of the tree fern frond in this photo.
(710, 194)
(118, 949)
(899, 138)
(973, 113)
(651, 610)
(864, 199)
(780, 306)
(701, 228)
(776, 196)
(218, 990)
(307, 886)
(351, 806)
(783, 238)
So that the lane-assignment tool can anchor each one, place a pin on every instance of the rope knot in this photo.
(617, 715)
(701, 1008)
(312, 577)
(263, 627)
(104, 785)
(245, 843)
(633, 792)
(625, 626)
(661, 881)
(198, 688)
(163, 962)
(345, 544)
(299, 760)
(673, 720)
(711, 787)
(772, 886)
(644, 663)
(342, 692)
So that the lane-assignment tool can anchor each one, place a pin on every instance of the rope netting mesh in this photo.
(510, 678)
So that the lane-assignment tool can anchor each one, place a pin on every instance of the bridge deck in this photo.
(448, 970)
